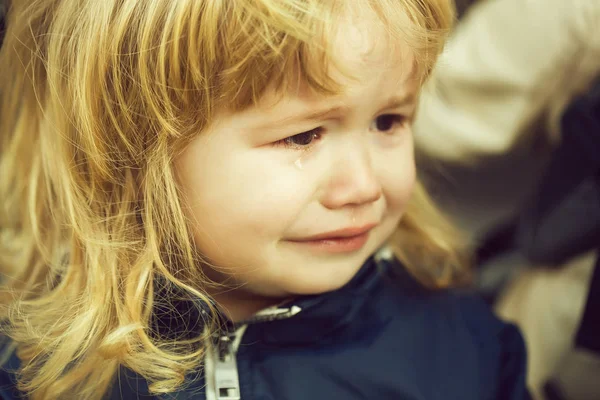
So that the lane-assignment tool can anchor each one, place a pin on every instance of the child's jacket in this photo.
(381, 337)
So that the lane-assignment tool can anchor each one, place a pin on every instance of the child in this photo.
(195, 195)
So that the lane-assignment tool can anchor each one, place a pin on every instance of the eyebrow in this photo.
(317, 115)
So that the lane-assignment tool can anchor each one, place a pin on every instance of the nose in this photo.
(353, 181)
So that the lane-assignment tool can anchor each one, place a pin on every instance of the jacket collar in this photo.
(322, 317)
(304, 320)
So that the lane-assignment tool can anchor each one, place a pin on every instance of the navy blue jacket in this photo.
(381, 337)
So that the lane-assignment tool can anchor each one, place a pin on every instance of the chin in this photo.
(323, 279)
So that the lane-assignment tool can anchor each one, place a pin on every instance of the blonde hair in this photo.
(97, 97)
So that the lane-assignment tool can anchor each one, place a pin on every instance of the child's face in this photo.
(255, 197)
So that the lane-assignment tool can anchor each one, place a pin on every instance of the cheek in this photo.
(268, 195)
(398, 179)
(243, 196)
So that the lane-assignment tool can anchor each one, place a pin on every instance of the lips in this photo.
(346, 240)
(344, 233)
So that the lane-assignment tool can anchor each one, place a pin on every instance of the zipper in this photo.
(222, 379)
(220, 364)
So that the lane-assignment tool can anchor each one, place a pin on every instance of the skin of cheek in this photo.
(241, 201)
(397, 174)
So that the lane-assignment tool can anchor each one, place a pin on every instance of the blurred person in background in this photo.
(560, 223)
(492, 126)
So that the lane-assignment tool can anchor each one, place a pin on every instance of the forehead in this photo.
(363, 50)
(364, 41)
(362, 54)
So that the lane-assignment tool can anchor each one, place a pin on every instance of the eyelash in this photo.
(397, 120)
(313, 134)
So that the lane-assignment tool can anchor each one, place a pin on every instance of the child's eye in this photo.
(387, 122)
(301, 141)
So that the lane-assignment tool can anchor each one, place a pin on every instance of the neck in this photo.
(239, 306)
(234, 301)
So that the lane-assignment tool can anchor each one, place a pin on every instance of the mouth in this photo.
(339, 241)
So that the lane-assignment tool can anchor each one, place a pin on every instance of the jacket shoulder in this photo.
(456, 329)
(501, 347)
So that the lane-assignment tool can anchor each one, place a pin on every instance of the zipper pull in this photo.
(227, 382)
(273, 314)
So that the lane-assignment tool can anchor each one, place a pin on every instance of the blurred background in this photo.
(508, 138)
